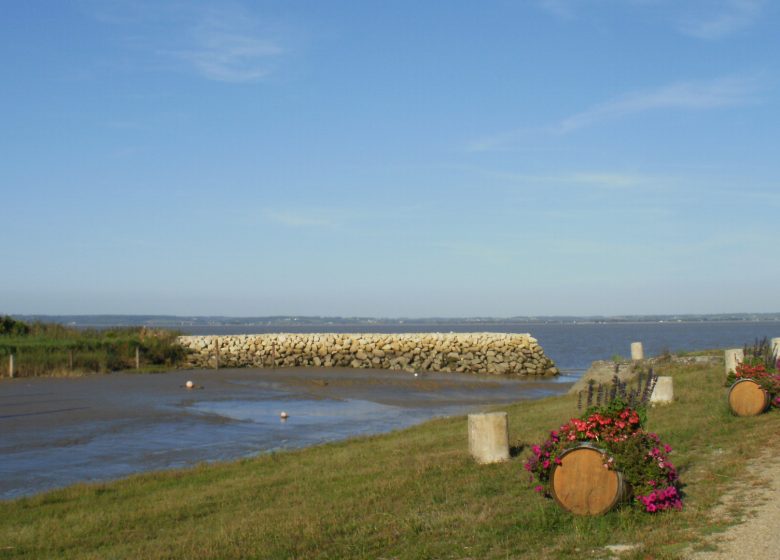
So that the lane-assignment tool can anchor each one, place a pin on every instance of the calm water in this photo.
(55, 432)
(573, 346)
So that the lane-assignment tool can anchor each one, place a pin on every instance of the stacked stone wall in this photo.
(487, 353)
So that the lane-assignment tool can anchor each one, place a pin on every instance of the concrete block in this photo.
(733, 356)
(489, 437)
(663, 392)
(637, 352)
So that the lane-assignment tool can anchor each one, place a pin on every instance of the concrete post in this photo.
(663, 392)
(774, 344)
(637, 352)
(11, 365)
(489, 437)
(733, 356)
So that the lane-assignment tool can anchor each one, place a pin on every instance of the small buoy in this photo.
(283, 415)
(189, 384)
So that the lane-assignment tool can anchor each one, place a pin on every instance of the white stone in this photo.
(489, 437)
(637, 352)
(732, 357)
(663, 392)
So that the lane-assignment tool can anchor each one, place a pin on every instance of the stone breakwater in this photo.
(488, 353)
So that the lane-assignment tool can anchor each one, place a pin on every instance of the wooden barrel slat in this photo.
(582, 484)
(747, 398)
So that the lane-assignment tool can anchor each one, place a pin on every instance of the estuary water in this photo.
(56, 432)
(59, 431)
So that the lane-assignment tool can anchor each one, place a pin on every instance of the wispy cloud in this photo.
(608, 180)
(224, 42)
(559, 8)
(722, 92)
(692, 95)
(703, 19)
(299, 218)
(719, 19)
(596, 179)
(228, 47)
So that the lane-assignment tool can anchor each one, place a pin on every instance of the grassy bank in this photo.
(53, 349)
(409, 494)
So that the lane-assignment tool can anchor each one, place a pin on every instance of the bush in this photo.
(615, 425)
(42, 348)
(762, 365)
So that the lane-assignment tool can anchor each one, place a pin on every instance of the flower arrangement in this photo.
(761, 365)
(616, 426)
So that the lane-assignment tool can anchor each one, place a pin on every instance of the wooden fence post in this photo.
(11, 365)
(137, 358)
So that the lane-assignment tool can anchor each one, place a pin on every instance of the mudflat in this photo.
(59, 431)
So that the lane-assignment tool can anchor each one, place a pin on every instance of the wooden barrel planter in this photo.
(748, 398)
(582, 484)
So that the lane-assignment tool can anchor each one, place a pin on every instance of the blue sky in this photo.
(390, 158)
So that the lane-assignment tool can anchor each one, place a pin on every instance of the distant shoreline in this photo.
(282, 322)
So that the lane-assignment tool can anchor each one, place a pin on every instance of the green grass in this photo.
(411, 494)
(52, 349)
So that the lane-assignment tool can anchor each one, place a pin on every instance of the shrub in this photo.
(616, 426)
(762, 365)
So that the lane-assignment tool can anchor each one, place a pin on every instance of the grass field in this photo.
(410, 494)
(57, 350)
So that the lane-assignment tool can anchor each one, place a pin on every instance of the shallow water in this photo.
(55, 432)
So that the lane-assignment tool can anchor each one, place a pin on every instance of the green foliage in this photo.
(46, 349)
(10, 326)
(761, 353)
(617, 396)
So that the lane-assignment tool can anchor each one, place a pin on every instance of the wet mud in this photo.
(59, 431)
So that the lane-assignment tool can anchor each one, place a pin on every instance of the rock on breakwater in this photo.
(488, 353)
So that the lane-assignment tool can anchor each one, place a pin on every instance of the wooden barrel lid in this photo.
(747, 398)
(582, 484)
